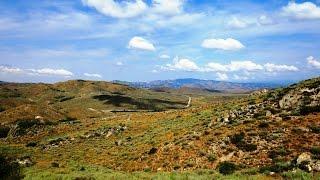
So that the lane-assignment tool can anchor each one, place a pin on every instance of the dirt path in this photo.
(189, 102)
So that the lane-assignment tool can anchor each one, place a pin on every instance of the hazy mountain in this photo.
(202, 84)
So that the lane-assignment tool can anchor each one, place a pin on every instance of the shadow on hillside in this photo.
(148, 104)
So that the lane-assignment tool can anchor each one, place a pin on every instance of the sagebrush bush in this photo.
(226, 168)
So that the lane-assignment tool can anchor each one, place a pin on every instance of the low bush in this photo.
(2, 109)
(315, 129)
(211, 157)
(4, 130)
(315, 150)
(237, 138)
(226, 168)
(277, 167)
(9, 169)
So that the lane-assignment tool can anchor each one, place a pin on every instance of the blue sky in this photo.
(143, 40)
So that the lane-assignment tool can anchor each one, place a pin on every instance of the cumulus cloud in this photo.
(39, 72)
(141, 43)
(237, 23)
(222, 76)
(278, 68)
(92, 75)
(244, 65)
(128, 9)
(223, 44)
(49, 71)
(181, 64)
(305, 10)
(6, 69)
(124, 9)
(233, 66)
(164, 56)
(313, 62)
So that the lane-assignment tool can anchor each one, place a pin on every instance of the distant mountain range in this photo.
(201, 84)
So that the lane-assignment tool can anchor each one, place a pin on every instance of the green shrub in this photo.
(276, 153)
(4, 130)
(247, 147)
(263, 125)
(315, 150)
(277, 168)
(237, 138)
(9, 169)
(226, 168)
(315, 129)
(304, 110)
(211, 157)
(2, 109)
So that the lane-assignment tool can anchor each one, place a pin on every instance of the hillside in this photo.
(269, 134)
(202, 84)
(66, 99)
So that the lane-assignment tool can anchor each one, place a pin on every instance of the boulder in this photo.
(304, 157)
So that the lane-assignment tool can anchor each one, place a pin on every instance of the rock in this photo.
(26, 162)
(268, 114)
(226, 120)
(304, 161)
(118, 143)
(304, 157)
(38, 117)
(316, 166)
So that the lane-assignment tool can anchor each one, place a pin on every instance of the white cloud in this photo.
(38, 72)
(168, 7)
(222, 76)
(119, 63)
(216, 67)
(154, 71)
(241, 78)
(305, 10)
(278, 68)
(92, 75)
(124, 9)
(237, 23)
(5, 69)
(313, 62)
(49, 71)
(141, 43)
(224, 44)
(164, 56)
(181, 64)
(265, 20)
(244, 65)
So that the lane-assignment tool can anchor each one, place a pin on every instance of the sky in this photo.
(145, 40)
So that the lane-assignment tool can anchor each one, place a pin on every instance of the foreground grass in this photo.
(100, 173)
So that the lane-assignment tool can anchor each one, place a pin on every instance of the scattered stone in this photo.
(268, 113)
(25, 162)
(316, 166)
